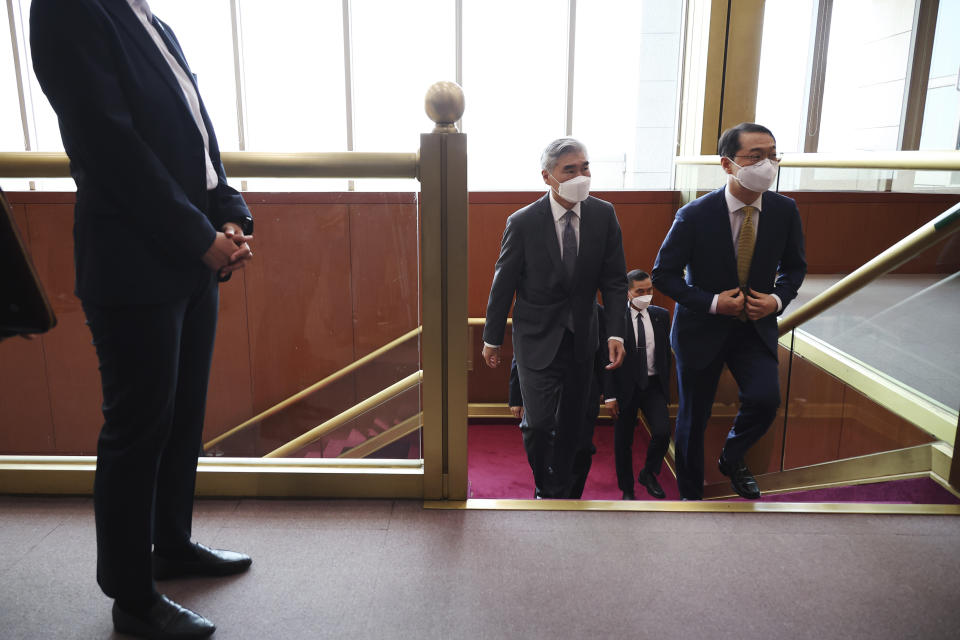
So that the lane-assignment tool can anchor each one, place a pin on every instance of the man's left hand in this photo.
(617, 352)
(760, 305)
(243, 253)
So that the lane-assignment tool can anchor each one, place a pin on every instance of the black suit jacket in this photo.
(530, 268)
(697, 260)
(620, 383)
(144, 217)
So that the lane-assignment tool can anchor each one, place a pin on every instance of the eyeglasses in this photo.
(754, 158)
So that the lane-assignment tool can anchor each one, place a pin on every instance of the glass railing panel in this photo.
(877, 372)
(321, 407)
(388, 430)
(828, 419)
(870, 180)
(698, 178)
(337, 283)
(901, 325)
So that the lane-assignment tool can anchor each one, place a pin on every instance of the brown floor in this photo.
(391, 569)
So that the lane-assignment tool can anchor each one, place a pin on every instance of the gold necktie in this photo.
(745, 253)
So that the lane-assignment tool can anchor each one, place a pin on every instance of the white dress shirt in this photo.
(735, 211)
(142, 10)
(647, 335)
(649, 341)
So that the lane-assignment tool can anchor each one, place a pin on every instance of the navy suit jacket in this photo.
(144, 217)
(530, 268)
(700, 244)
(619, 383)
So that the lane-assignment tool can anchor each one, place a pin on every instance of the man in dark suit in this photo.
(155, 225)
(741, 248)
(641, 384)
(555, 255)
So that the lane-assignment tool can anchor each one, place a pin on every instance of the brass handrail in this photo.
(300, 395)
(340, 419)
(246, 164)
(946, 224)
(912, 160)
(384, 438)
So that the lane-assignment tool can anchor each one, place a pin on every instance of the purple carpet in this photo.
(498, 469)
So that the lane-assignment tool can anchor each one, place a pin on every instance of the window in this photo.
(785, 58)
(205, 32)
(941, 115)
(294, 76)
(399, 50)
(625, 90)
(866, 75)
(514, 79)
(11, 126)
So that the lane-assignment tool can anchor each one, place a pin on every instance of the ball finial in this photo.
(444, 104)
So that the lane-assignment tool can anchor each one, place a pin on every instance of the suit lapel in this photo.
(659, 335)
(765, 231)
(721, 231)
(549, 232)
(630, 340)
(588, 232)
(130, 23)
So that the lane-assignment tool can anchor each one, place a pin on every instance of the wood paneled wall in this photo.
(334, 276)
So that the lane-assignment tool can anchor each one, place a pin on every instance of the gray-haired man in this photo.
(555, 255)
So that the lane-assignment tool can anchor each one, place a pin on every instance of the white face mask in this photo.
(757, 177)
(575, 189)
(641, 302)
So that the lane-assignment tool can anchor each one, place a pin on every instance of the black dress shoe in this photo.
(198, 560)
(164, 620)
(629, 495)
(741, 479)
(649, 480)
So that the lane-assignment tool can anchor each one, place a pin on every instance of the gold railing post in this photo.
(443, 262)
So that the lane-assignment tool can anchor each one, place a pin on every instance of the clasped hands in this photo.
(229, 251)
(758, 305)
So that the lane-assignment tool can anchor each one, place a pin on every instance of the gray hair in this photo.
(557, 148)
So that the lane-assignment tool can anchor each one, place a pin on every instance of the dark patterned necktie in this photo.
(569, 244)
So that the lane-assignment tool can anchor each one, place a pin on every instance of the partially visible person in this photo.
(556, 254)
(732, 260)
(155, 227)
(641, 384)
(515, 400)
(24, 307)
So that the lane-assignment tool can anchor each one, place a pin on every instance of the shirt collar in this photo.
(733, 204)
(558, 210)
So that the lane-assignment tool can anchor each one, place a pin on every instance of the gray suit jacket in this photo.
(530, 269)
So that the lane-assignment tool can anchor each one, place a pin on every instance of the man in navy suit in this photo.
(732, 260)
(155, 227)
(555, 255)
(641, 384)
